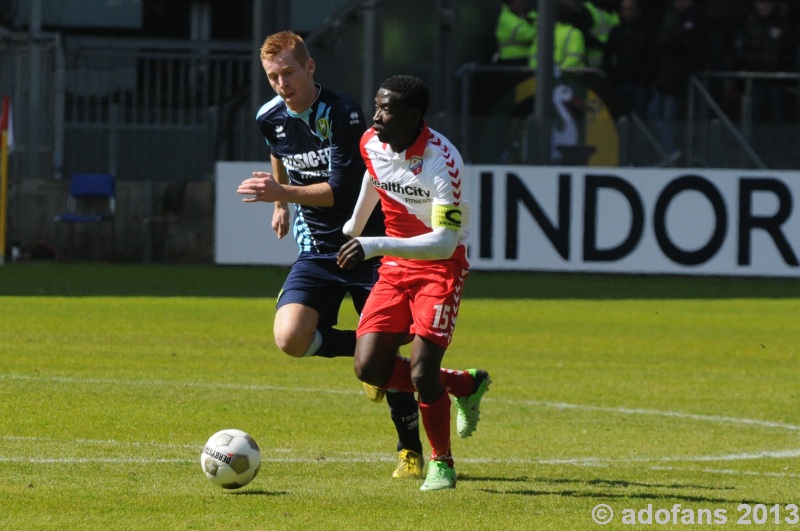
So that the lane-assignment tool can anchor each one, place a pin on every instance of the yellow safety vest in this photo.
(602, 23)
(514, 35)
(569, 47)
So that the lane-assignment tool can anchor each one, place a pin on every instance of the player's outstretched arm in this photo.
(367, 199)
(438, 244)
(263, 187)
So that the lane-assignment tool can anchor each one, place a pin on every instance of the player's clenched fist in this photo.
(262, 186)
(350, 254)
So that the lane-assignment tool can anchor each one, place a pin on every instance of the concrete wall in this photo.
(143, 229)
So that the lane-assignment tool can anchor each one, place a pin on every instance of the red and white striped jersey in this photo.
(420, 188)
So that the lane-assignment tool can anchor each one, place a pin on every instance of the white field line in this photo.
(134, 461)
(717, 419)
(290, 456)
(176, 384)
(356, 457)
(371, 458)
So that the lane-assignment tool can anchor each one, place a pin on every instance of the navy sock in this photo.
(336, 343)
(405, 415)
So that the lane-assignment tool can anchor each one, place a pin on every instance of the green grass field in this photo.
(640, 393)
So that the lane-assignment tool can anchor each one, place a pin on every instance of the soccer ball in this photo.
(230, 459)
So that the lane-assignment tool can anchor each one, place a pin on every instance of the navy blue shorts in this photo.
(318, 282)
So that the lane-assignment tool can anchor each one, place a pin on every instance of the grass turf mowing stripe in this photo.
(717, 419)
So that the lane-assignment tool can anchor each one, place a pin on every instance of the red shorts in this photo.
(423, 301)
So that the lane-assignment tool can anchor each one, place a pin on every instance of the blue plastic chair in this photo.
(91, 200)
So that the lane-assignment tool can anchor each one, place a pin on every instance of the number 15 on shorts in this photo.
(442, 318)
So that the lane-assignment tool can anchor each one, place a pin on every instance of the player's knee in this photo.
(425, 381)
(359, 370)
(295, 330)
(291, 344)
(362, 369)
(367, 372)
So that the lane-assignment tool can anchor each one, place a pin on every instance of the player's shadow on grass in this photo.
(260, 492)
(594, 482)
(639, 496)
(621, 485)
(625, 483)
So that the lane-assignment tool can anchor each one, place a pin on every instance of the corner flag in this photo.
(7, 123)
(6, 146)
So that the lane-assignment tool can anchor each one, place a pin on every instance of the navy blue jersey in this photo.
(319, 145)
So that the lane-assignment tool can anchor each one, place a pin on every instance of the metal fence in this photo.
(739, 119)
(145, 110)
(140, 109)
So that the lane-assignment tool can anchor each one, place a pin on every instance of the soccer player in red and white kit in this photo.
(416, 174)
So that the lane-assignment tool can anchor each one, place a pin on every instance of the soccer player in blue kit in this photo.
(314, 135)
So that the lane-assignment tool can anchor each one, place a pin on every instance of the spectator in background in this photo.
(628, 59)
(725, 19)
(515, 32)
(680, 48)
(768, 44)
(653, 12)
(793, 16)
(596, 20)
(569, 46)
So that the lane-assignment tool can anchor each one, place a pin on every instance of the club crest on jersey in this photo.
(323, 128)
(415, 165)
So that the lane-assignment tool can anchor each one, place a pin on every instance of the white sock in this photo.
(314, 346)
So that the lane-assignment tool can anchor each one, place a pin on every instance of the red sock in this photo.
(401, 376)
(457, 383)
(436, 419)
